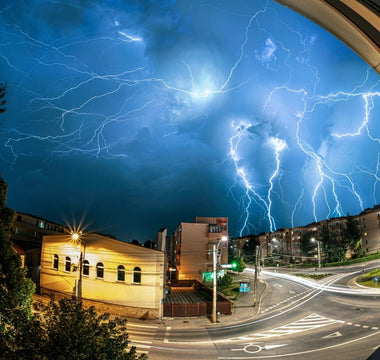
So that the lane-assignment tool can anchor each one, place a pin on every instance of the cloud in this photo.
(268, 54)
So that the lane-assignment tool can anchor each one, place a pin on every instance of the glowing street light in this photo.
(75, 237)
(215, 248)
(319, 251)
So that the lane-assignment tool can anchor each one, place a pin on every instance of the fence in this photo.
(202, 308)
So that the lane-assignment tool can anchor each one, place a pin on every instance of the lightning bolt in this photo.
(369, 105)
(328, 180)
(122, 82)
(278, 145)
(251, 195)
(82, 123)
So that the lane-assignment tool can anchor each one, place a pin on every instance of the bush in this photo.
(225, 280)
(369, 276)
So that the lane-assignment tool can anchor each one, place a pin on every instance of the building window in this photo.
(99, 270)
(86, 268)
(213, 228)
(120, 273)
(137, 275)
(67, 264)
(55, 261)
(42, 224)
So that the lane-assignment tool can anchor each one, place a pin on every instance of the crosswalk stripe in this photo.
(310, 322)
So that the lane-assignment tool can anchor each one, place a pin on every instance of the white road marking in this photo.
(141, 326)
(335, 334)
(167, 334)
(310, 322)
(302, 352)
(255, 348)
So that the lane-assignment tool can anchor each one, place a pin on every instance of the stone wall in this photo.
(102, 307)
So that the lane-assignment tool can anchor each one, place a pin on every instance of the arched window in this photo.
(55, 261)
(137, 275)
(86, 268)
(120, 273)
(68, 264)
(100, 270)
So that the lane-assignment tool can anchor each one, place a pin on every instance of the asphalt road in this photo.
(297, 319)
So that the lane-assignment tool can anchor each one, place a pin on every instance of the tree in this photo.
(306, 245)
(15, 289)
(70, 332)
(149, 244)
(238, 264)
(352, 234)
(249, 248)
(334, 251)
(3, 92)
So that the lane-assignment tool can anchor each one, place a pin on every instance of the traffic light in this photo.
(234, 264)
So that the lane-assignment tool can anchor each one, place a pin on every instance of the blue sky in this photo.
(137, 115)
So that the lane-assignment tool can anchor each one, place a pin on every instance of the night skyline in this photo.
(136, 116)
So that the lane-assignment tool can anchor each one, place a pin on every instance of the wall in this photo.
(111, 253)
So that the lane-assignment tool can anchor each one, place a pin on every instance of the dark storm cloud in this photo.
(141, 114)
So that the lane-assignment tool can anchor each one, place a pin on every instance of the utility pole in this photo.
(215, 249)
(79, 295)
(256, 270)
(214, 294)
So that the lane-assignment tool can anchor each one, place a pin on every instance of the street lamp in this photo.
(171, 269)
(215, 248)
(319, 251)
(75, 237)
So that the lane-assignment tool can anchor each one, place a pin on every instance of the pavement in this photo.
(246, 307)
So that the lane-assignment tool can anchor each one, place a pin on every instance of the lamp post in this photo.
(75, 237)
(215, 248)
(319, 251)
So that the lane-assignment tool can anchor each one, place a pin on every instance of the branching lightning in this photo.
(251, 195)
(95, 111)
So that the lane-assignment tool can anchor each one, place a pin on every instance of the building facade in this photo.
(287, 242)
(112, 272)
(27, 233)
(191, 248)
(369, 224)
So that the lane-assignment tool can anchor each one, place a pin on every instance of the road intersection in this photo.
(295, 318)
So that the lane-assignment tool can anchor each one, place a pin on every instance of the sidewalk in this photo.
(243, 309)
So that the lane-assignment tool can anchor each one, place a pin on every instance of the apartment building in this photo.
(190, 247)
(287, 241)
(369, 224)
(27, 234)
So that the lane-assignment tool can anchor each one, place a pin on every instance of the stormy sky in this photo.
(139, 114)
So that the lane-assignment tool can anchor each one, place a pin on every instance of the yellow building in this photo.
(129, 277)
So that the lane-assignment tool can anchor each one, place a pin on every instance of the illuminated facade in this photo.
(191, 247)
(113, 272)
(286, 242)
(369, 224)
